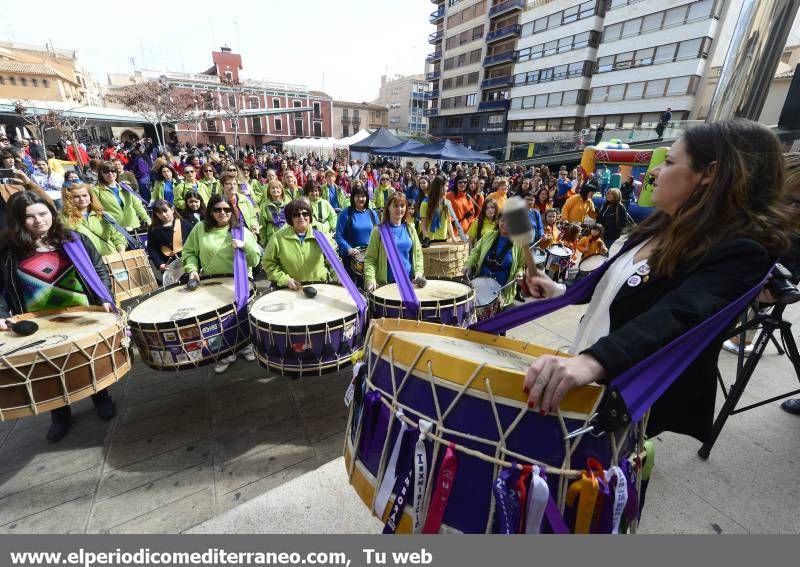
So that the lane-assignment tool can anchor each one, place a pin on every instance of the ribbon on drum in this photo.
(241, 284)
(538, 494)
(420, 474)
(441, 491)
(341, 273)
(78, 255)
(390, 475)
(407, 294)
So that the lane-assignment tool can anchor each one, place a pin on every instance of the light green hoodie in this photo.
(212, 250)
(288, 257)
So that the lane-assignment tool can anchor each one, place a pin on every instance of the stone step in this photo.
(318, 502)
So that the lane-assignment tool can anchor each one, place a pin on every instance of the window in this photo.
(623, 60)
(346, 113)
(45, 83)
(317, 112)
(276, 103)
(211, 125)
(297, 104)
(550, 48)
(631, 27)
(252, 102)
(474, 121)
(472, 78)
(471, 99)
(228, 75)
(580, 40)
(675, 16)
(345, 131)
(12, 80)
(317, 129)
(554, 99)
(570, 15)
(35, 82)
(2, 80)
(635, 90)
(540, 101)
(655, 88)
(278, 125)
(644, 56)
(652, 22)
(665, 53)
(495, 120)
(453, 123)
(678, 86)
(605, 64)
(689, 49)
(232, 101)
(298, 127)
(615, 92)
(23, 81)
(256, 124)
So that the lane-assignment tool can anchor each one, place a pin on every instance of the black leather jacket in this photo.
(11, 300)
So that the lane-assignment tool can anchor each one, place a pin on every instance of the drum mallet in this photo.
(520, 230)
(24, 328)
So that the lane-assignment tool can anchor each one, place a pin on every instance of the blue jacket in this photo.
(536, 221)
(357, 235)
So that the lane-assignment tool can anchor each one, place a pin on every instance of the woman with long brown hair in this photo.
(83, 213)
(720, 224)
(435, 218)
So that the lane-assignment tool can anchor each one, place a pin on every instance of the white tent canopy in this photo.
(355, 138)
(323, 147)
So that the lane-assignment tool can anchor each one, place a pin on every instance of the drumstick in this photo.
(520, 230)
(23, 347)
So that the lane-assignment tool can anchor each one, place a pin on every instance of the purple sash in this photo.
(341, 272)
(80, 258)
(407, 293)
(134, 193)
(249, 198)
(241, 285)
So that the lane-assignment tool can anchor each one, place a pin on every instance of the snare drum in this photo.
(589, 264)
(469, 386)
(487, 297)
(175, 328)
(440, 301)
(131, 274)
(357, 261)
(540, 257)
(558, 260)
(445, 259)
(75, 353)
(301, 336)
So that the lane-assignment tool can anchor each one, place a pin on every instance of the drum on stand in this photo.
(131, 274)
(445, 259)
(590, 263)
(75, 353)
(558, 260)
(440, 301)
(302, 336)
(487, 297)
(175, 328)
(468, 385)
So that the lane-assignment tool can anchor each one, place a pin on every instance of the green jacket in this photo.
(249, 211)
(344, 200)
(269, 212)
(102, 234)
(296, 194)
(256, 191)
(375, 260)
(212, 251)
(324, 215)
(158, 191)
(213, 186)
(288, 257)
(182, 188)
(381, 195)
(478, 254)
(130, 215)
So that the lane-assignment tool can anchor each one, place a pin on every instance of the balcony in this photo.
(437, 1)
(500, 58)
(345, 120)
(433, 76)
(437, 16)
(494, 82)
(436, 37)
(487, 105)
(506, 7)
(504, 33)
(431, 112)
(430, 95)
(432, 57)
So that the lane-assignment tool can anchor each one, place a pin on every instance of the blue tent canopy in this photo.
(398, 149)
(378, 140)
(448, 150)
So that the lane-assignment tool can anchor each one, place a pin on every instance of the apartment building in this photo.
(618, 64)
(350, 117)
(406, 98)
(471, 70)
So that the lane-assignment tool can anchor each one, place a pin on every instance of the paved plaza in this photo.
(252, 452)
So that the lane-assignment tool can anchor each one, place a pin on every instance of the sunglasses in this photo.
(188, 170)
(301, 214)
(226, 210)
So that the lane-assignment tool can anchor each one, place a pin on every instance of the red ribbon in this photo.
(441, 492)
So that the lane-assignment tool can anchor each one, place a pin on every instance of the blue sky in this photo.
(353, 42)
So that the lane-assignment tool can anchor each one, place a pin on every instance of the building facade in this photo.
(350, 117)
(264, 107)
(471, 70)
(44, 73)
(405, 98)
(618, 64)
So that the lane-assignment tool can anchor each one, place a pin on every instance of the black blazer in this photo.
(647, 317)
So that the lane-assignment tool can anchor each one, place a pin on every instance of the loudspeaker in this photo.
(790, 115)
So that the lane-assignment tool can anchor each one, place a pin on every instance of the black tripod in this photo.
(770, 321)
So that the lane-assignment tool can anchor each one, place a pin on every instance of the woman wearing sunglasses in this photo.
(210, 249)
(293, 255)
(210, 179)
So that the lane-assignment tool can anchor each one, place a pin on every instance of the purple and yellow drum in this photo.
(301, 336)
(440, 301)
(175, 328)
(468, 387)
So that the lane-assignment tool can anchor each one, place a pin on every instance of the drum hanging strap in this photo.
(80, 258)
(240, 283)
(334, 260)
(134, 193)
(407, 293)
(177, 236)
(133, 243)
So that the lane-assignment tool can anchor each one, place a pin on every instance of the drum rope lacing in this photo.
(499, 446)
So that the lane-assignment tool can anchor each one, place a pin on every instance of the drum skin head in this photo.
(434, 290)
(176, 303)
(288, 308)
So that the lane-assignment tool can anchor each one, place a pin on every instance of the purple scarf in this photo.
(80, 258)
(407, 294)
(341, 272)
(247, 193)
(241, 285)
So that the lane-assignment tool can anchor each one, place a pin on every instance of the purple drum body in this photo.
(441, 301)
(301, 336)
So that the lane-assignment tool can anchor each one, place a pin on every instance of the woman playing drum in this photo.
(580, 206)
(290, 186)
(496, 257)
(272, 215)
(376, 268)
(592, 244)
(36, 273)
(123, 205)
(293, 255)
(551, 233)
(354, 225)
(714, 236)
(210, 247)
(83, 213)
(251, 191)
(162, 245)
